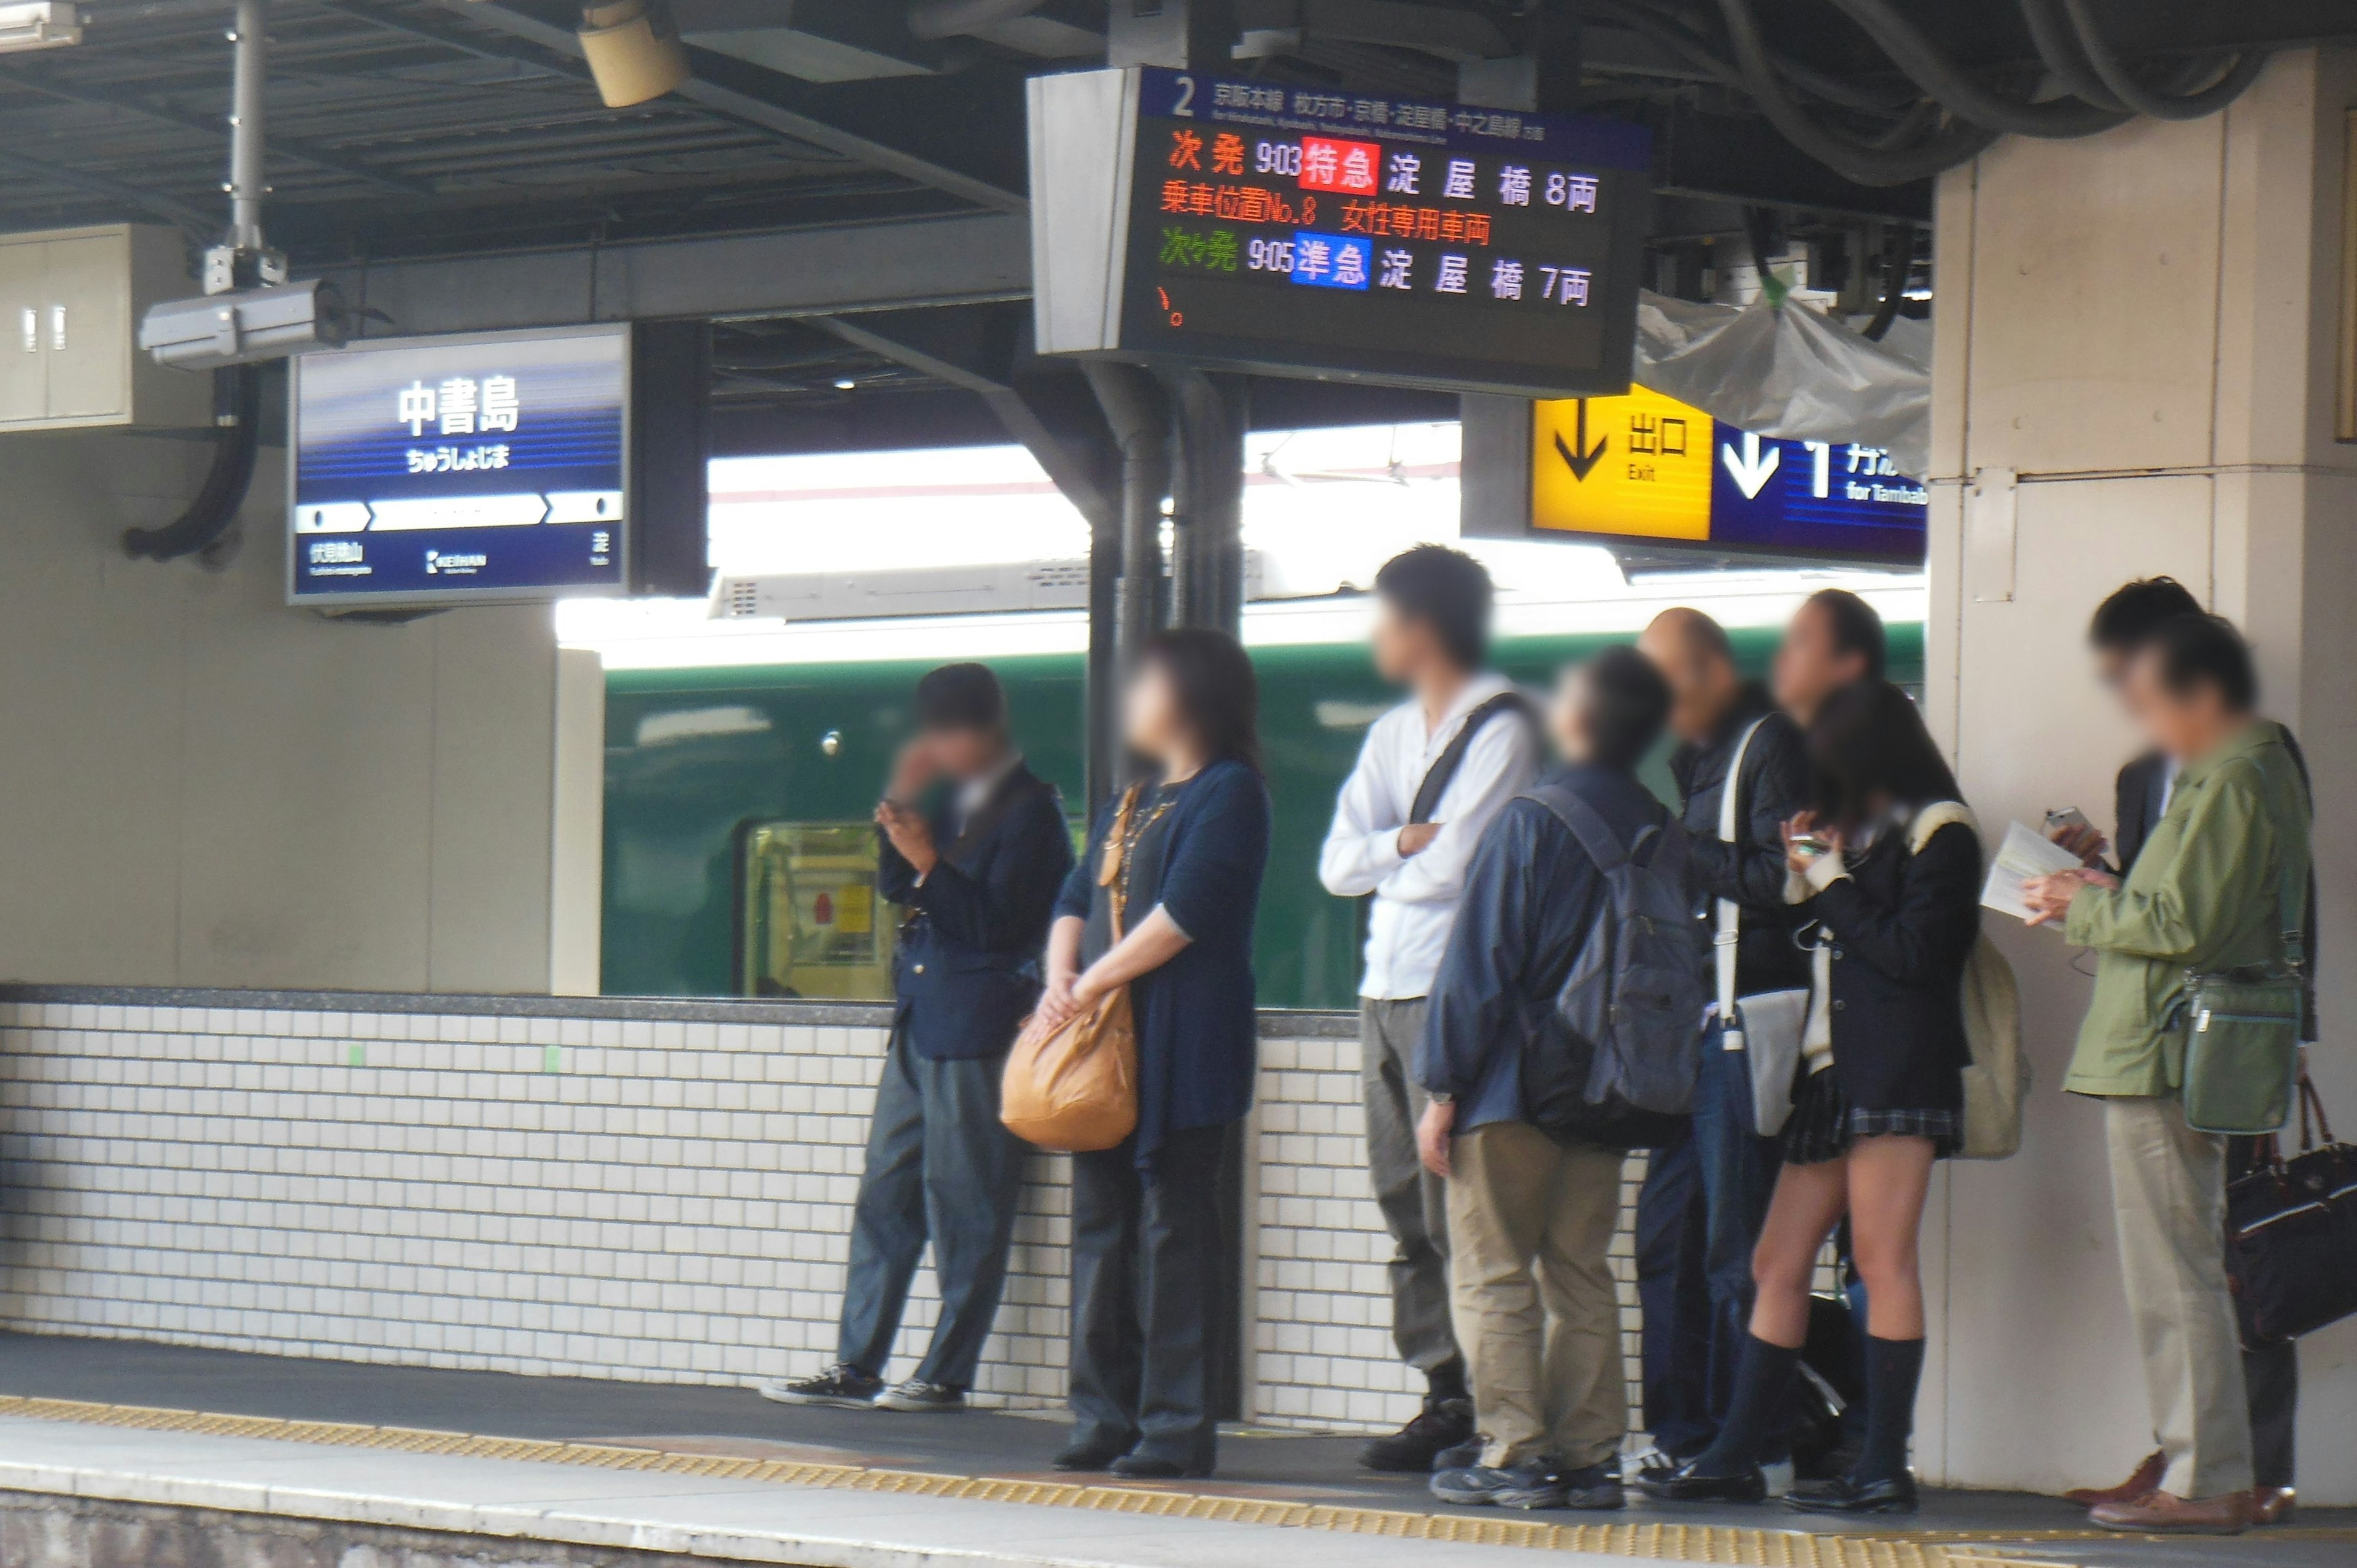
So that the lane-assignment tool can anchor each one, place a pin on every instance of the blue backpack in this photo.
(1615, 1060)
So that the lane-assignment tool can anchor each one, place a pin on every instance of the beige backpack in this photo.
(1996, 1079)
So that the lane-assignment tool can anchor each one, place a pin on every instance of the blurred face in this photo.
(963, 753)
(1702, 684)
(2184, 724)
(1151, 719)
(1404, 647)
(1567, 719)
(1808, 668)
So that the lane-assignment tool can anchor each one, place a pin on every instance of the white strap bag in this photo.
(1767, 1026)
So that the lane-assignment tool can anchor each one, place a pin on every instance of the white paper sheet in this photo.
(2024, 855)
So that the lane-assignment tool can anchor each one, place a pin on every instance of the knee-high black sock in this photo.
(1446, 1382)
(1894, 1369)
(1763, 1392)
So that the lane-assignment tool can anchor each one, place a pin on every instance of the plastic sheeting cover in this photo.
(1791, 371)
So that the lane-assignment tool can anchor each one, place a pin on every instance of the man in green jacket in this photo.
(2205, 895)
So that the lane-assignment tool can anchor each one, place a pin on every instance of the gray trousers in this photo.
(1415, 1202)
(940, 1168)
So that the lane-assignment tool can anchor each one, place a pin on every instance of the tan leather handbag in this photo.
(1073, 1087)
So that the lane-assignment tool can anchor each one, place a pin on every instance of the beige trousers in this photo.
(2169, 1186)
(1530, 1222)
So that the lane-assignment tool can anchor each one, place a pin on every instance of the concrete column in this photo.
(2136, 338)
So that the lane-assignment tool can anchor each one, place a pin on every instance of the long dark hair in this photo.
(1218, 696)
(1869, 740)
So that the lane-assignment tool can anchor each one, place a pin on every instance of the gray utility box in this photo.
(70, 300)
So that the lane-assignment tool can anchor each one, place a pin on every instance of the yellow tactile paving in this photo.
(1740, 1548)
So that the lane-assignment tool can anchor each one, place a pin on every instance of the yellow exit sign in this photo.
(1637, 465)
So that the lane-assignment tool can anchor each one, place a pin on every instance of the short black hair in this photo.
(960, 696)
(1218, 692)
(2124, 622)
(1448, 591)
(1856, 629)
(1869, 740)
(2196, 650)
(1627, 704)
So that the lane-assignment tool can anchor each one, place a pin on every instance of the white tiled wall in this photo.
(657, 1201)
(650, 1201)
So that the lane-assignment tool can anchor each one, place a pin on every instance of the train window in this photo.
(808, 920)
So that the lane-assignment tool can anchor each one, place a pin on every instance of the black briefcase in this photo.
(2291, 1233)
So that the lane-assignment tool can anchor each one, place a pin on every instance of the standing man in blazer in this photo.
(978, 875)
(1434, 772)
(2122, 626)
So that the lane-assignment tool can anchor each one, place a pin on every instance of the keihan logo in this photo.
(443, 564)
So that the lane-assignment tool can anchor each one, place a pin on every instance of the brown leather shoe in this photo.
(2165, 1513)
(2273, 1504)
(2143, 1484)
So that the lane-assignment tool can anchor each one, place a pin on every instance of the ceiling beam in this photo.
(951, 260)
(114, 191)
(1045, 405)
(311, 153)
(871, 123)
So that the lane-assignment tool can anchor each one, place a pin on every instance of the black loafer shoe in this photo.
(1152, 1467)
(1413, 1449)
(1846, 1495)
(1087, 1457)
(1688, 1485)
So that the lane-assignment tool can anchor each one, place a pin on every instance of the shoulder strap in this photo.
(1443, 771)
(1728, 933)
(1595, 834)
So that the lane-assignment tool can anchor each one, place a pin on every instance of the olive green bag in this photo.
(2241, 1035)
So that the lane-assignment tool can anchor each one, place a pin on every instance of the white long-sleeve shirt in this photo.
(1417, 894)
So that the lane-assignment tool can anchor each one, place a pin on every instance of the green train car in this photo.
(737, 861)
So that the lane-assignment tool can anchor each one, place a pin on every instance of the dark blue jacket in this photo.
(1530, 895)
(1197, 1036)
(967, 968)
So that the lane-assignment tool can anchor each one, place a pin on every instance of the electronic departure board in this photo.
(1647, 471)
(491, 466)
(1294, 230)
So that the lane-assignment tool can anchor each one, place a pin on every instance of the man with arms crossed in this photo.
(1432, 774)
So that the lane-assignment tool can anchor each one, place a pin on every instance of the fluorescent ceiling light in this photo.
(38, 24)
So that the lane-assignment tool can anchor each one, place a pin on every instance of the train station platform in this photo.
(126, 1451)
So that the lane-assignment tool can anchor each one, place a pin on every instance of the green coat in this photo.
(2206, 893)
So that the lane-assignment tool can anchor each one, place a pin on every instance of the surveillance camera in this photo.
(633, 50)
(245, 326)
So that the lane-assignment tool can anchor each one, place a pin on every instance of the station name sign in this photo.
(491, 466)
(1303, 232)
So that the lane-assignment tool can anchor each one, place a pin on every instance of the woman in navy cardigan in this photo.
(1150, 1268)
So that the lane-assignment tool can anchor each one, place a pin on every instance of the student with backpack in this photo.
(1888, 866)
(1432, 773)
(1561, 1033)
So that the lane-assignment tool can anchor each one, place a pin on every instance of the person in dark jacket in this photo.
(1888, 866)
(2124, 626)
(1705, 1197)
(1150, 1270)
(1530, 1217)
(978, 875)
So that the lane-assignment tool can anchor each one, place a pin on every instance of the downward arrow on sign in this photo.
(1585, 459)
(1753, 470)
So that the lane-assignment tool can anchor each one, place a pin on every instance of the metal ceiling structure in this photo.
(450, 162)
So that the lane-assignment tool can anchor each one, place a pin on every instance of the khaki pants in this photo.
(2169, 1186)
(1530, 1222)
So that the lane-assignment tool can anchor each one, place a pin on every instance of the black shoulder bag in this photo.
(2291, 1233)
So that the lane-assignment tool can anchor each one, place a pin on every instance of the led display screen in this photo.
(484, 467)
(1292, 231)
